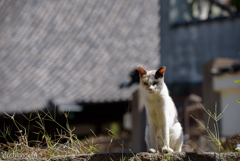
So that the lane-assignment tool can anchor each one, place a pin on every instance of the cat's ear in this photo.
(160, 72)
(141, 71)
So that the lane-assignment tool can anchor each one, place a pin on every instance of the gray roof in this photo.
(75, 50)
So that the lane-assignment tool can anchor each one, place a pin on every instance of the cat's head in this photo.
(152, 81)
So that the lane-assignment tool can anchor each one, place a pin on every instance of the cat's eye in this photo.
(154, 83)
(145, 83)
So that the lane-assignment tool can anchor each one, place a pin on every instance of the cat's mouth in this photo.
(151, 92)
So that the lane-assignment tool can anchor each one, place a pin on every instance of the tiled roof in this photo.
(78, 50)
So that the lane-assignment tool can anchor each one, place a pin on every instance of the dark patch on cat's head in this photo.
(160, 72)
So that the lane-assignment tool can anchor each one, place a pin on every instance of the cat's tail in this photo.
(147, 136)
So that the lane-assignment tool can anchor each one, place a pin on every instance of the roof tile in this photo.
(74, 50)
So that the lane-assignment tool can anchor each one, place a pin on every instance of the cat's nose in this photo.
(150, 89)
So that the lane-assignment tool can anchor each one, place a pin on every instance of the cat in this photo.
(163, 132)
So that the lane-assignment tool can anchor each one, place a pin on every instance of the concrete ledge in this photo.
(149, 157)
(144, 157)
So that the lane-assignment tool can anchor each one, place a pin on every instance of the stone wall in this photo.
(144, 157)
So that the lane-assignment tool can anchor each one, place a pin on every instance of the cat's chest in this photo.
(154, 102)
(155, 111)
(155, 106)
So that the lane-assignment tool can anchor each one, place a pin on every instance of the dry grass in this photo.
(44, 147)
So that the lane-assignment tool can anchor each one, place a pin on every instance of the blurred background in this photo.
(82, 57)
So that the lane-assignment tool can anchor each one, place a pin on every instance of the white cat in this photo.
(163, 132)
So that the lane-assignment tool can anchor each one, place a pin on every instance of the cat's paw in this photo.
(167, 150)
(151, 150)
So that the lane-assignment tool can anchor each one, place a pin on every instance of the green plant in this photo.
(112, 134)
(115, 127)
(237, 81)
(167, 158)
(238, 148)
(212, 136)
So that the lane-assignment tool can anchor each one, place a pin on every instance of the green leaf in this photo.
(238, 149)
(166, 156)
(231, 157)
(230, 146)
(238, 101)
(237, 81)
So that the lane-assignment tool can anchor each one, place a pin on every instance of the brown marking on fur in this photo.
(141, 71)
(162, 70)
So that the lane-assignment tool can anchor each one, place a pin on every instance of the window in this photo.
(188, 11)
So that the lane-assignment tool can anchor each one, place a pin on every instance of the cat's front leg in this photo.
(166, 139)
(148, 140)
(153, 139)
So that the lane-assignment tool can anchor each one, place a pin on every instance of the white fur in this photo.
(162, 133)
